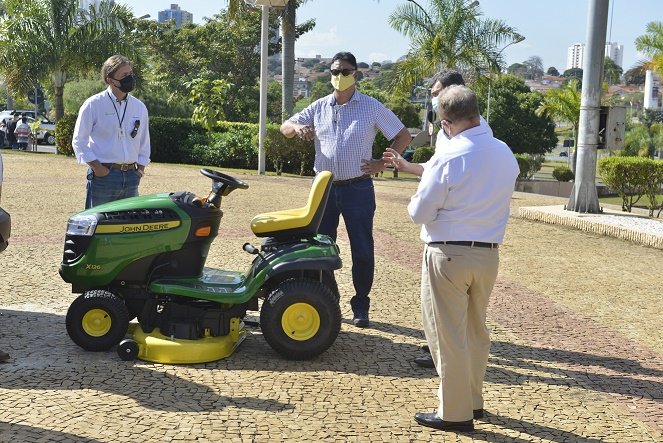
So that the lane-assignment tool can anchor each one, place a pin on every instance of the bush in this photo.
(529, 165)
(633, 177)
(290, 155)
(64, 132)
(422, 154)
(563, 174)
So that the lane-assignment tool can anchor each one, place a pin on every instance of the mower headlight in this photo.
(82, 225)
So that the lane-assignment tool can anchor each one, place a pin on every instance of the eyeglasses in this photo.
(134, 131)
(345, 72)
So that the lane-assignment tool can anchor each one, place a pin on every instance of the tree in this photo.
(651, 44)
(574, 73)
(612, 72)
(534, 67)
(552, 71)
(514, 119)
(49, 40)
(517, 69)
(450, 34)
(563, 105)
(635, 76)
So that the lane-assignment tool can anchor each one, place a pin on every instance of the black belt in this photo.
(473, 244)
(122, 166)
(350, 180)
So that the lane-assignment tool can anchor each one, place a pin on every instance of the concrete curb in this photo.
(587, 223)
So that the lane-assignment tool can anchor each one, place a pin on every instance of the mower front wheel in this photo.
(300, 318)
(97, 320)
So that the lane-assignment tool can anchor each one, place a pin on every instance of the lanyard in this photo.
(120, 121)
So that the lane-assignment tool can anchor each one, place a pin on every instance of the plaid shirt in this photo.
(344, 134)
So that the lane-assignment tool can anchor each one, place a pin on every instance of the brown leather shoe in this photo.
(3, 356)
(431, 420)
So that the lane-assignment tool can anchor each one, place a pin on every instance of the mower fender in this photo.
(328, 264)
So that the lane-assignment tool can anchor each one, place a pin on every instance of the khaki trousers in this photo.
(456, 282)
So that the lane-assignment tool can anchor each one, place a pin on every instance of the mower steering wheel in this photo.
(225, 179)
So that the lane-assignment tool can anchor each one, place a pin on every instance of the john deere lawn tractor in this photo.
(144, 258)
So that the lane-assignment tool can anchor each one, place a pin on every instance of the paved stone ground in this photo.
(575, 319)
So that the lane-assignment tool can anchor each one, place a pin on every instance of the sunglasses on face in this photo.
(345, 72)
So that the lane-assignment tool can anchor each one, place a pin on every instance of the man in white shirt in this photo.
(462, 203)
(112, 136)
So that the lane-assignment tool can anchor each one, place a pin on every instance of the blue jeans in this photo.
(114, 186)
(356, 203)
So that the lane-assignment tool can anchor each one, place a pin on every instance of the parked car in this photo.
(46, 132)
(408, 153)
(563, 154)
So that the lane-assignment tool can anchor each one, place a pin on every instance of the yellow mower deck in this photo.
(157, 348)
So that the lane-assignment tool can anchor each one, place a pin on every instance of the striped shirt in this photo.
(344, 134)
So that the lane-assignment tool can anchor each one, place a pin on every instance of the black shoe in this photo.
(425, 361)
(431, 420)
(3, 356)
(360, 320)
(425, 348)
(478, 414)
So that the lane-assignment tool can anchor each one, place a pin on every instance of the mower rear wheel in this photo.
(300, 319)
(97, 320)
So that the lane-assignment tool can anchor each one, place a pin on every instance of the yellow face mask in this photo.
(342, 82)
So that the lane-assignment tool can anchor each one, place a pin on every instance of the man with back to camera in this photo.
(112, 136)
(343, 126)
(440, 81)
(462, 203)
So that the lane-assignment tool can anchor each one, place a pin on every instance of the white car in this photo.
(46, 132)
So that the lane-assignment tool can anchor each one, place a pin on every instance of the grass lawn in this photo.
(642, 203)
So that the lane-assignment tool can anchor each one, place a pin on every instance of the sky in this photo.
(362, 26)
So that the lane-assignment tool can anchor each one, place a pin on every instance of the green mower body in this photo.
(144, 257)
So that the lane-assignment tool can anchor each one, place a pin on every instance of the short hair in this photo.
(345, 56)
(448, 77)
(112, 64)
(458, 102)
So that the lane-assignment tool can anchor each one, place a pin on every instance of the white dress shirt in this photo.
(103, 130)
(465, 190)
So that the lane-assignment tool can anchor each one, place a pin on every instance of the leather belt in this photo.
(351, 180)
(472, 244)
(124, 167)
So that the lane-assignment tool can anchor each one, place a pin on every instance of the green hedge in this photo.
(563, 174)
(633, 177)
(229, 145)
(529, 165)
(422, 154)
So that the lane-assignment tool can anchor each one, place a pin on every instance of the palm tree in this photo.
(563, 105)
(652, 45)
(49, 40)
(451, 34)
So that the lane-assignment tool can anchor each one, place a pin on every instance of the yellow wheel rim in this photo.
(300, 321)
(96, 322)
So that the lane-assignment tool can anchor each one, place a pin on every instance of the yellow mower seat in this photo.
(300, 222)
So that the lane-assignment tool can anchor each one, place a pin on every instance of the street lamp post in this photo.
(518, 39)
(264, 37)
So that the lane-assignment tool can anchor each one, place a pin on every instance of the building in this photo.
(651, 90)
(615, 52)
(576, 54)
(175, 13)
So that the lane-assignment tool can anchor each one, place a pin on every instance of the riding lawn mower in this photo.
(144, 258)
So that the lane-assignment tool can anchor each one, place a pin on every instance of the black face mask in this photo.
(127, 84)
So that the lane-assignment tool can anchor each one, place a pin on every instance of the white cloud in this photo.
(324, 43)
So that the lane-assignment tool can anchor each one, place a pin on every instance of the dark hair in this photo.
(345, 56)
(23, 114)
(448, 77)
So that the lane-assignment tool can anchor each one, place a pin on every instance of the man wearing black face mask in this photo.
(112, 136)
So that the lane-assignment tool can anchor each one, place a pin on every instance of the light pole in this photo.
(518, 39)
(264, 37)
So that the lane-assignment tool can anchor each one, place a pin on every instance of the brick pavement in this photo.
(575, 320)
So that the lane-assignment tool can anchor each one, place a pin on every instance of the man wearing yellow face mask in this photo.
(343, 126)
